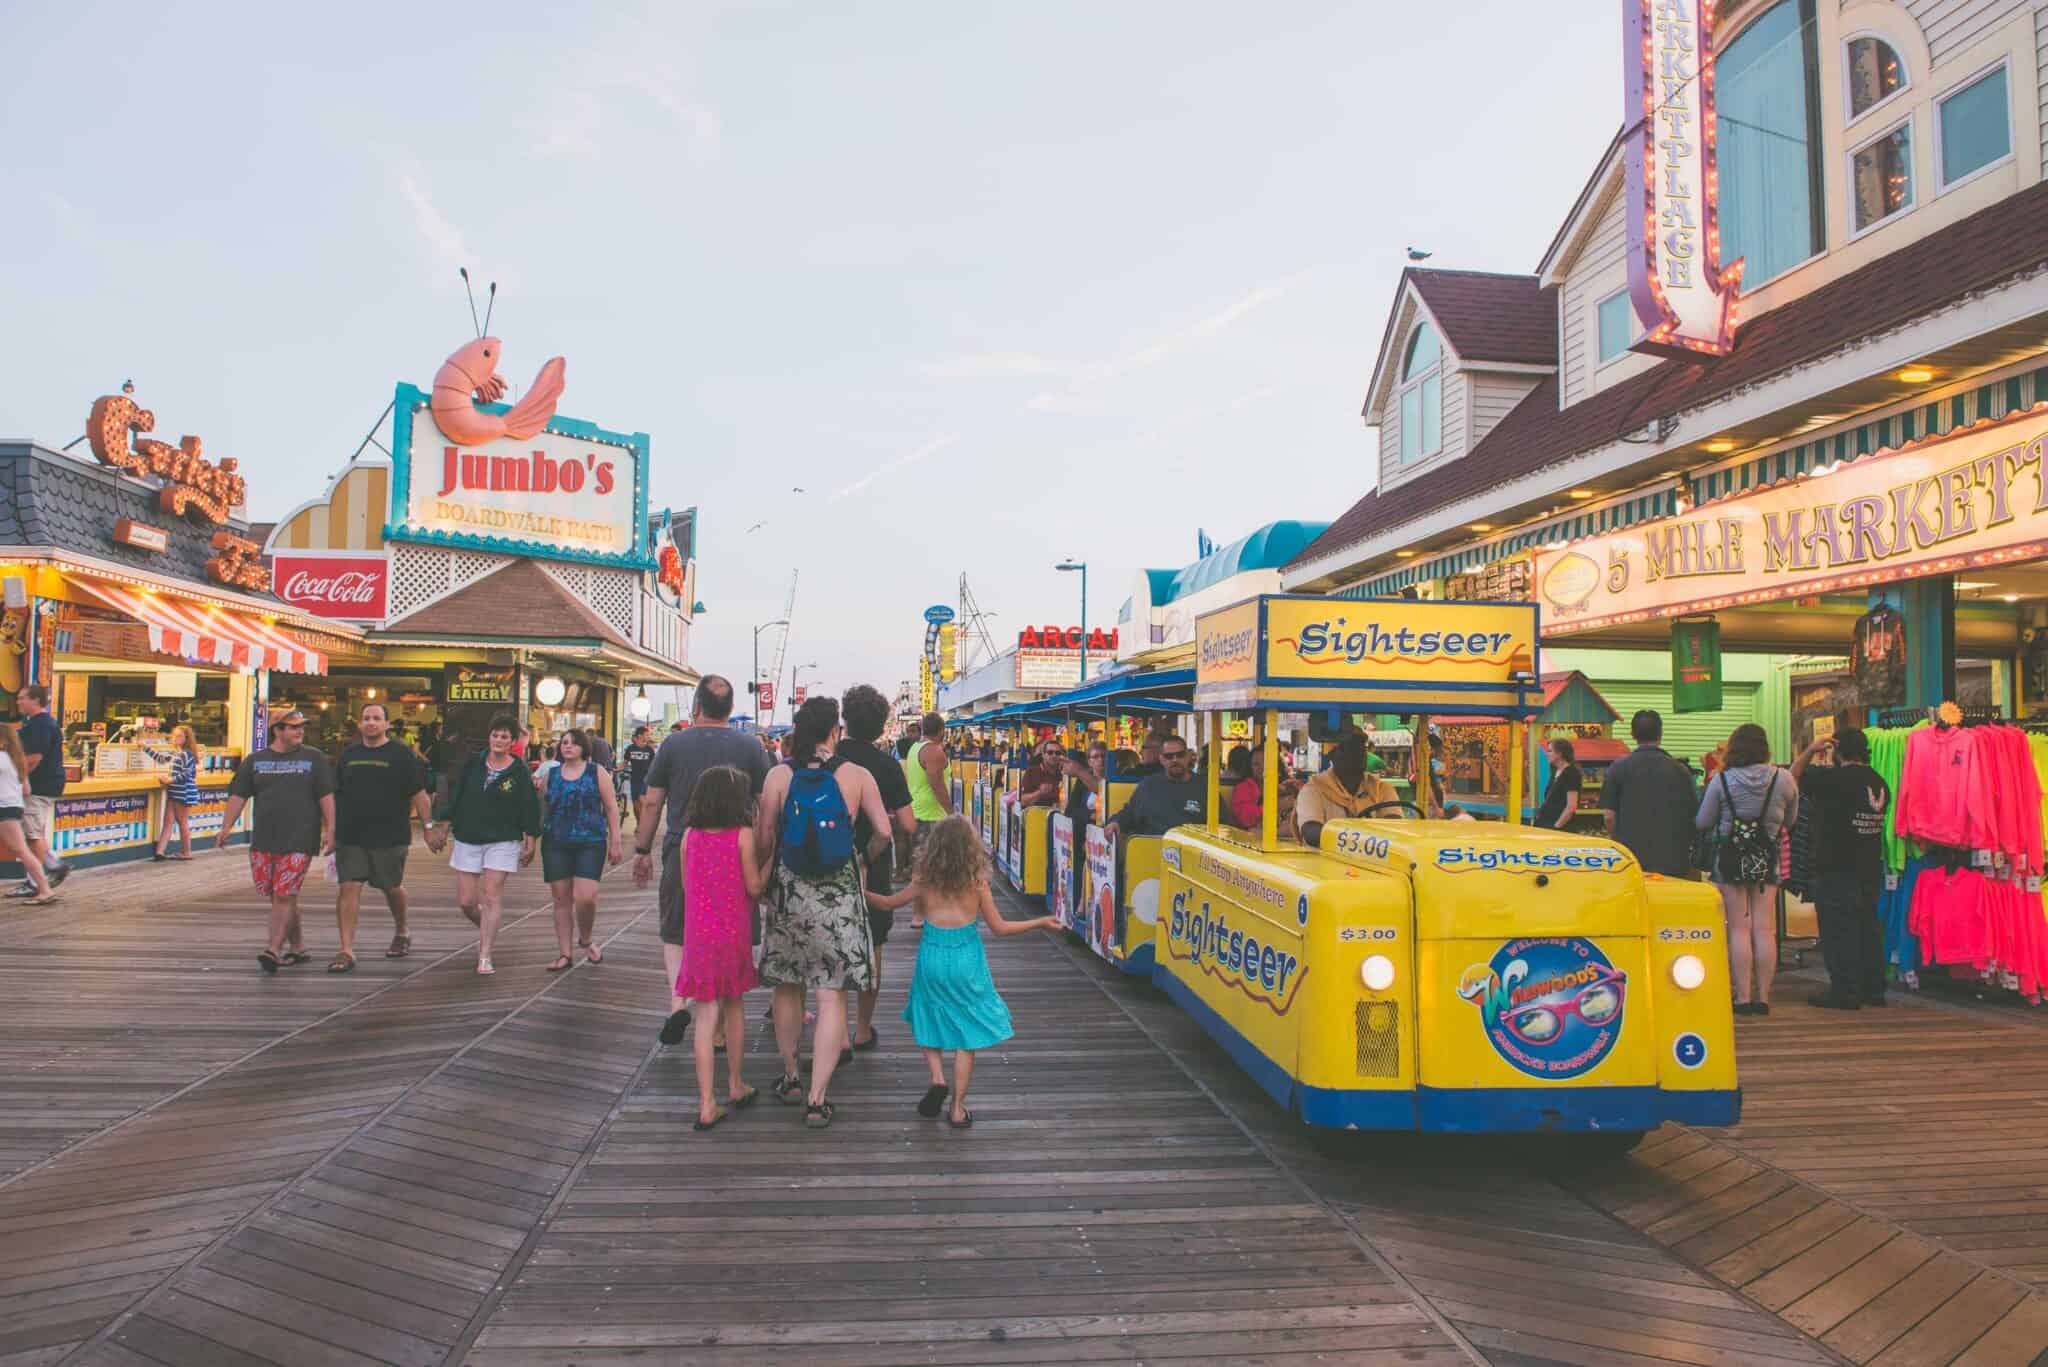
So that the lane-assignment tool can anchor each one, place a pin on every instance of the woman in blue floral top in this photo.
(181, 794)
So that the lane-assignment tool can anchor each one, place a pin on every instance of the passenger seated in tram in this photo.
(1342, 789)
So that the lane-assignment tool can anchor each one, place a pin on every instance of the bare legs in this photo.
(179, 815)
(732, 1013)
(284, 924)
(1752, 938)
(346, 903)
(864, 1006)
(14, 844)
(563, 891)
(584, 895)
(828, 1037)
(963, 1074)
(672, 960)
(481, 896)
(788, 1008)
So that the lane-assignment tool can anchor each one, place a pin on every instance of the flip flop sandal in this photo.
(43, 899)
(268, 961)
(676, 1026)
(788, 1089)
(744, 1099)
(966, 1121)
(401, 945)
(592, 952)
(292, 958)
(483, 966)
(710, 1124)
(561, 962)
(934, 1100)
(343, 963)
(818, 1116)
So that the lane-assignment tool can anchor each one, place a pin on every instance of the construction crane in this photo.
(782, 642)
(977, 647)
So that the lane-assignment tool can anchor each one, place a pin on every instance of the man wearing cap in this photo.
(293, 785)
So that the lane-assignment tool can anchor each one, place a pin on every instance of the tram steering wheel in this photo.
(1396, 803)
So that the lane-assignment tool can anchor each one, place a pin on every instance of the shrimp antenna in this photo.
(489, 305)
(464, 271)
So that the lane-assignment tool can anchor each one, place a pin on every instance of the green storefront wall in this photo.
(1756, 688)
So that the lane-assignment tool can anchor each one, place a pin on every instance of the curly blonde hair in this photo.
(952, 862)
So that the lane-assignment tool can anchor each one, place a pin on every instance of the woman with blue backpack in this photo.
(815, 935)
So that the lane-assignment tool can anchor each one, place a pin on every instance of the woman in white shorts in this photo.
(494, 815)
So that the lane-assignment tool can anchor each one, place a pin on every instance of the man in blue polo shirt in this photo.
(42, 742)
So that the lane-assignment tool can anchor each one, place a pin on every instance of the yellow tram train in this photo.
(1410, 973)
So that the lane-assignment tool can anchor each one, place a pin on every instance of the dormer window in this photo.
(1422, 395)
(1874, 74)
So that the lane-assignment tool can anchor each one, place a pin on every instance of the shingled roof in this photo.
(1490, 317)
(50, 499)
(1991, 247)
(522, 599)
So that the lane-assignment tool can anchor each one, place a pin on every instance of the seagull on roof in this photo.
(1417, 254)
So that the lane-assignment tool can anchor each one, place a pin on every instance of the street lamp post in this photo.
(754, 683)
(794, 671)
(1082, 566)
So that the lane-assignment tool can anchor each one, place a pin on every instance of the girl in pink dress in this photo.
(722, 880)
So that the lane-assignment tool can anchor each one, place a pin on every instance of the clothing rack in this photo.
(1975, 715)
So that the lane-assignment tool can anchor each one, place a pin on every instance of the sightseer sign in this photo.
(468, 471)
(1934, 507)
(1683, 296)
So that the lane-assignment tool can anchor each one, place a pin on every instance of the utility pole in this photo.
(754, 684)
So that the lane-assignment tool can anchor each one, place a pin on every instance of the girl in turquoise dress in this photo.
(953, 1002)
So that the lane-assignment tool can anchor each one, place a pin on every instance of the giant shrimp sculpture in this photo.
(470, 377)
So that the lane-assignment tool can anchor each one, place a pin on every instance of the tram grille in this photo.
(1379, 1039)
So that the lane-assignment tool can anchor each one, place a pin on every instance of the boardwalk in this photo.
(413, 1165)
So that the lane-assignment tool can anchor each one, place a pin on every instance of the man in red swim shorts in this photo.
(293, 785)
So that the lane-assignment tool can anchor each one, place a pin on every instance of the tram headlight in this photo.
(1377, 972)
(1688, 971)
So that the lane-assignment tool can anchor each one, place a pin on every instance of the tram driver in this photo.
(1342, 789)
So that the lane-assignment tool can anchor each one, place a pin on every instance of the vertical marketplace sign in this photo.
(1683, 296)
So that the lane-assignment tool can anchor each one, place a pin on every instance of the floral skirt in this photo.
(816, 934)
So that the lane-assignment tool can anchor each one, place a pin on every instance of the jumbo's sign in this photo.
(1367, 654)
(1932, 508)
(514, 478)
(1683, 296)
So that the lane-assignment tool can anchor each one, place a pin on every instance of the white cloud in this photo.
(992, 365)
(699, 123)
(1184, 421)
(908, 458)
(1067, 401)
(433, 226)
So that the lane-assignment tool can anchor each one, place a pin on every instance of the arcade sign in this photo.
(333, 584)
(1065, 638)
(1683, 296)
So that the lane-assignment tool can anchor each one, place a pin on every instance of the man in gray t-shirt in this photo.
(685, 755)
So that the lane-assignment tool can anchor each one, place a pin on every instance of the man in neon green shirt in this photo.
(931, 787)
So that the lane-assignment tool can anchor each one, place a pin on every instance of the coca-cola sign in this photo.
(346, 586)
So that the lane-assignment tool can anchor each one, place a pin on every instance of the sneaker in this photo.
(1745, 1008)
(1830, 1002)
(26, 890)
(57, 874)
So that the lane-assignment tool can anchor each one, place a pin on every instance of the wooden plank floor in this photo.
(414, 1165)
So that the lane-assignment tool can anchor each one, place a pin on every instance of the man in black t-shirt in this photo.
(1561, 799)
(866, 712)
(42, 743)
(379, 785)
(639, 759)
(1850, 800)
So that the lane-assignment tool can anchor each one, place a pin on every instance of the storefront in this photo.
(1764, 433)
(493, 574)
(133, 593)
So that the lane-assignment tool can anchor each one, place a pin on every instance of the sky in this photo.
(992, 285)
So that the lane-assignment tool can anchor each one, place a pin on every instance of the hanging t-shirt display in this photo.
(2034, 670)
(1877, 657)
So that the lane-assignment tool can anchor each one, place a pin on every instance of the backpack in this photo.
(1746, 854)
(817, 830)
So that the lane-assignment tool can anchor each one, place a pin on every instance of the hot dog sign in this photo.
(472, 471)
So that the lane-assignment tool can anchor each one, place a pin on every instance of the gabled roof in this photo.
(1988, 248)
(522, 600)
(1485, 317)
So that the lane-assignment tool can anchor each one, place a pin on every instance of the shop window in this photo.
(1976, 131)
(1874, 72)
(1422, 395)
(1767, 94)
(1881, 177)
(1617, 325)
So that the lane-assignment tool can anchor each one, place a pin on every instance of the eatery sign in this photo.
(1934, 507)
(1683, 296)
(570, 491)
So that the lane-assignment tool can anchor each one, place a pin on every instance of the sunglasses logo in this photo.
(1552, 1008)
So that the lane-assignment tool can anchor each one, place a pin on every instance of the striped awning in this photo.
(197, 631)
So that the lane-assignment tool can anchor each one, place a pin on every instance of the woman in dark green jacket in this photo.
(494, 815)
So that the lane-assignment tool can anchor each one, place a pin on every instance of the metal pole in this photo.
(1084, 621)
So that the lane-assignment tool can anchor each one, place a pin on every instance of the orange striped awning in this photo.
(222, 636)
